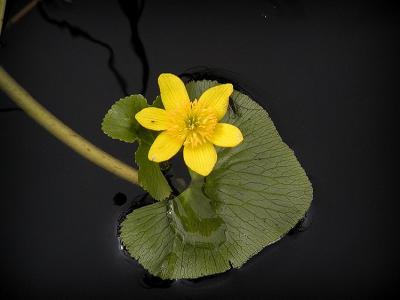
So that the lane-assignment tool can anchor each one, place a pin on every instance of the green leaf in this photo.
(255, 195)
(158, 103)
(120, 123)
(150, 176)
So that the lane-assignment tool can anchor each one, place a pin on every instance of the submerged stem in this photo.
(63, 132)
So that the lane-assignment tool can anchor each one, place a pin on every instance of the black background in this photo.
(325, 70)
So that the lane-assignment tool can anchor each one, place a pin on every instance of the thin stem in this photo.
(2, 10)
(23, 12)
(63, 132)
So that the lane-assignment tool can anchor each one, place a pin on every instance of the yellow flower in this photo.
(191, 124)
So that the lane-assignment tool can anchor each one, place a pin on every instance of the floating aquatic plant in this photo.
(245, 193)
(243, 196)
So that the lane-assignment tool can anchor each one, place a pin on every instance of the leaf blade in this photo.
(120, 123)
(150, 176)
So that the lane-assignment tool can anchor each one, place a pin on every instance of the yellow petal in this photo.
(164, 147)
(173, 91)
(200, 159)
(226, 135)
(217, 97)
(153, 118)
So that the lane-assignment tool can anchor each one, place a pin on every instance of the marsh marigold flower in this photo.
(191, 124)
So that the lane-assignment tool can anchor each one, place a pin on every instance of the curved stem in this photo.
(63, 132)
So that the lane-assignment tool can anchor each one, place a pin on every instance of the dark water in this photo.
(326, 74)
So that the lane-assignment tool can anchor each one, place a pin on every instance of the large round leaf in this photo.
(257, 192)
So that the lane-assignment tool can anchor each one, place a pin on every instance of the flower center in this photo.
(193, 123)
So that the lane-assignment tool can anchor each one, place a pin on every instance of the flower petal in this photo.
(164, 147)
(153, 118)
(173, 91)
(226, 135)
(200, 159)
(217, 97)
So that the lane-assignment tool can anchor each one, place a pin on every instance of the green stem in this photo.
(2, 10)
(63, 132)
